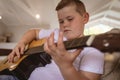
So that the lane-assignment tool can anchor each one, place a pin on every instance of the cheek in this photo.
(78, 29)
(61, 28)
(78, 22)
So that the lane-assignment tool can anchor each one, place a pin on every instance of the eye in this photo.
(70, 19)
(61, 21)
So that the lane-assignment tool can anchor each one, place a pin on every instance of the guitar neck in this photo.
(72, 44)
(107, 42)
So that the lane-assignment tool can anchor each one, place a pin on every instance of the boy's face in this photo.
(71, 22)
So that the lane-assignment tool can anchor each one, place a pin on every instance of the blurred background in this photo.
(17, 16)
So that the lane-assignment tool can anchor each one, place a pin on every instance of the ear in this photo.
(85, 18)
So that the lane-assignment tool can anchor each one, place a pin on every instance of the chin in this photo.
(70, 38)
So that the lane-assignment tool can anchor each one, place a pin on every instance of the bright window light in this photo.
(37, 16)
(100, 28)
(0, 17)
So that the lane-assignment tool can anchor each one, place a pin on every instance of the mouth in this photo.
(66, 31)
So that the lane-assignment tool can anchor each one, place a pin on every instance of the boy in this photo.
(77, 64)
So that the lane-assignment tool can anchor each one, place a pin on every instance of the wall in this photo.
(2, 28)
(18, 31)
(48, 17)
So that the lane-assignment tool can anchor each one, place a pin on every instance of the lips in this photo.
(66, 30)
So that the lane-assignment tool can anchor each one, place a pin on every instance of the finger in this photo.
(46, 49)
(60, 43)
(50, 42)
(22, 50)
(11, 56)
(17, 51)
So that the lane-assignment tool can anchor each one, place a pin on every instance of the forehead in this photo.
(67, 11)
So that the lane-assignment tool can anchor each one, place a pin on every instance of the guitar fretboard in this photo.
(107, 42)
(72, 44)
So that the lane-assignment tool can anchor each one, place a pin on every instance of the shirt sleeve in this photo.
(45, 33)
(92, 61)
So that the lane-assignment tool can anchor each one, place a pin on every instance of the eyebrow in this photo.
(69, 16)
(66, 17)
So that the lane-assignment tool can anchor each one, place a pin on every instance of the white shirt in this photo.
(90, 60)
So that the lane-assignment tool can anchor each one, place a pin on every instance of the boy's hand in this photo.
(59, 54)
(17, 51)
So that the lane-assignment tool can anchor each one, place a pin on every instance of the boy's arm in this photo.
(20, 47)
(30, 35)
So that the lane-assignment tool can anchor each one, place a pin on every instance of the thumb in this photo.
(76, 53)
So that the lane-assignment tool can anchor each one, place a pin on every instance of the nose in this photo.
(66, 24)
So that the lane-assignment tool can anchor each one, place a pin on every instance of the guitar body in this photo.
(25, 68)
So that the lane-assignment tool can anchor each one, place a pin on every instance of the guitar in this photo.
(35, 56)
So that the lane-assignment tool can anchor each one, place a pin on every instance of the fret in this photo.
(76, 43)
